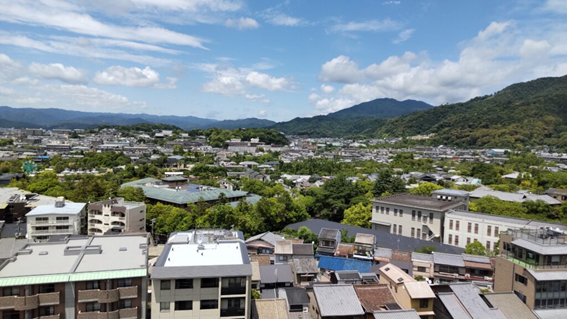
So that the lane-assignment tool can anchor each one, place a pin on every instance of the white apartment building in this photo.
(116, 216)
(202, 274)
(62, 218)
(464, 227)
(414, 215)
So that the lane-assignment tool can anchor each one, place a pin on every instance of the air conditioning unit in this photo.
(467, 275)
(456, 275)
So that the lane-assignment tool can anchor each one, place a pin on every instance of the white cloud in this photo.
(340, 69)
(370, 25)
(403, 36)
(242, 23)
(10, 69)
(532, 49)
(262, 113)
(134, 77)
(88, 96)
(64, 16)
(391, 2)
(494, 28)
(225, 85)
(258, 98)
(556, 6)
(286, 21)
(327, 89)
(191, 6)
(329, 105)
(313, 97)
(57, 71)
(268, 82)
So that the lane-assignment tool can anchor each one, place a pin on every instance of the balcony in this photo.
(51, 222)
(29, 302)
(52, 231)
(232, 312)
(49, 299)
(233, 290)
(101, 296)
(48, 317)
(128, 313)
(26, 303)
(530, 263)
(99, 315)
(128, 292)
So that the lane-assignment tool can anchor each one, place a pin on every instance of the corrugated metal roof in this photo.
(47, 279)
(113, 274)
(397, 314)
(337, 300)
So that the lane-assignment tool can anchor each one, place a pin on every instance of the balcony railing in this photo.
(233, 290)
(99, 315)
(29, 302)
(128, 292)
(26, 303)
(232, 312)
(541, 237)
(52, 231)
(51, 222)
(531, 263)
(128, 313)
(101, 296)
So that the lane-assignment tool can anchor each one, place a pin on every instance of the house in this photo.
(345, 250)
(297, 299)
(346, 277)
(264, 243)
(410, 293)
(286, 250)
(335, 301)
(462, 300)
(364, 246)
(116, 216)
(329, 239)
(397, 314)
(305, 270)
(422, 264)
(62, 218)
(269, 308)
(448, 267)
(275, 276)
(377, 297)
(559, 194)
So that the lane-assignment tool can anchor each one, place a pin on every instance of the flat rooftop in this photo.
(68, 209)
(224, 253)
(418, 201)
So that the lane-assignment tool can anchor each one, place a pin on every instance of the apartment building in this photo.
(414, 215)
(533, 264)
(202, 274)
(116, 216)
(61, 218)
(79, 277)
(464, 227)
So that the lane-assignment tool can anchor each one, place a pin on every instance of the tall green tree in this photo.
(387, 184)
(358, 215)
(475, 248)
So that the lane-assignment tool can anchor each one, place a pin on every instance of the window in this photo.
(456, 240)
(45, 289)
(92, 307)
(421, 269)
(184, 305)
(469, 227)
(284, 258)
(412, 232)
(11, 291)
(468, 240)
(41, 220)
(496, 232)
(209, 282)
(62, 227)
(209, 304)
(423, 303)
(450, 239)
(125, 282)
(401, 213)
(424, 219)
(387, 210)
(164, 306)
(61, 219)
(418, 215)
(92, 285)
(424, 236)
(399, 229)
(418, 233)
(521, 279)
(382, 209)
(488, 245)
(395, 212)
(476, 228)
(488, 230)
(165, 285)
(46, 311)
(124, 304)
(450, 224)
(183, 284)
(413, 215)
(395, 229)
(457, 225)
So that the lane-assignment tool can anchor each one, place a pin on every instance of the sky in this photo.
(230, 59)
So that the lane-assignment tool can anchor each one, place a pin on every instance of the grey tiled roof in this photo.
(303, 249)
(448, 259)
(398, 314)
(469, 297)
(305, 265)
(337, 300)
(275, 273)
(268, 237)
(328, 233)
(476, 259)
(421, 257)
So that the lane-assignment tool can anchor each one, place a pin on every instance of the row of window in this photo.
(45, 219)
(386, 210)
(234, 282)
(469, 228)
(450, 241)
(420, 217)
(125, 282)
(397, 229)
(95, 306)
(188, 305)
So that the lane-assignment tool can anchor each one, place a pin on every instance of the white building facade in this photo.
(62, 218)
(116, 216)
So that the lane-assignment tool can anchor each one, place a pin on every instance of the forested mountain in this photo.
(360, 120)
(530, 113)
(243, 123)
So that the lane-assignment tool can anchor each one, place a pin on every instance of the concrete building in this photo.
(464, 227)
(116, 216)
(202, 274)
(62, 218)
(414, 215)
(533, 264)
(79, 277)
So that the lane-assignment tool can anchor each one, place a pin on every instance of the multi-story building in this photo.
(62, 218)
(202, 274)
(414, 215)
(116, 216)
(464, 227)
(533, 264)
(80, 277)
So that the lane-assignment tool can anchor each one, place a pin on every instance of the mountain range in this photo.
(529, 113)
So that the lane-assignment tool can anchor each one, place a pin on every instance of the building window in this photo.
(451, 224)
(387, 210)
(421, 269)
(62, 227)
(413, 215)
(125, 282)
(431, 218)
(488, 230)
(91, 285)
(92, 307)
(382, 209)
(184, 305)
(11, 291)
(469, 228)
(457, 223)
(183, 283)
(425, 219)
(423, 303)
(41, 220)
(399, 229)
(521, 279)
(62, 219)
(476, 228)
(395, 227)
(165, 285)
(164, 306)
(456, 240)
(412, 232)
(395, 212)
(424, 236)
(46, 289)
(125, 304)
(450, 239)
(418, 233)
(496, 232)
(488, 245)
(46, 311)
(468, 240)
(401, 213)
(418, 215)
(209, 304)
(209, 282)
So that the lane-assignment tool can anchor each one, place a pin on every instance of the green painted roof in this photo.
(187, 197)
(48, 279)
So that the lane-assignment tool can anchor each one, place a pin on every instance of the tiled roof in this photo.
(337, 300)
(374, 297)
(448, 259)
(305, 265)
(269, 308)
(397, 314)
(417, 201)
(510, 305)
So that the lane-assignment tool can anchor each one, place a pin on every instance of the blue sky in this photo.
(228, 59)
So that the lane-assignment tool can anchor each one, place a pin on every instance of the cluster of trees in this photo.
(535, 210)
(217, 137)
(6, 142)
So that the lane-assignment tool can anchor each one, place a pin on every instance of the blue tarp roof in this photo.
(338, 263)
